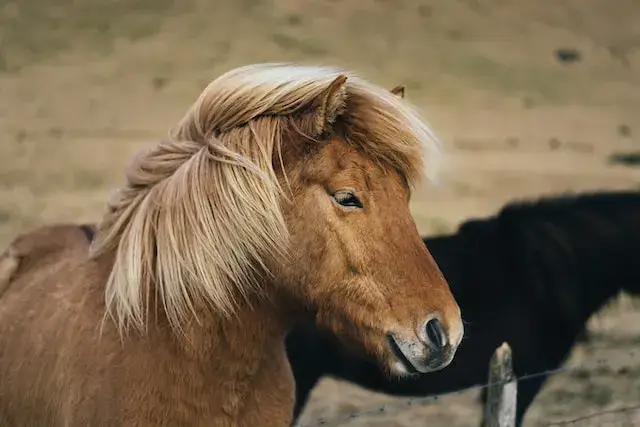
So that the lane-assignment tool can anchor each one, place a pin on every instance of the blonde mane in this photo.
(200, 211)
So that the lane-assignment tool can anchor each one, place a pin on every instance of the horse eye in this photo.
(347, 199)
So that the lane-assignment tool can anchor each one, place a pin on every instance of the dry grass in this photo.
(85, 83)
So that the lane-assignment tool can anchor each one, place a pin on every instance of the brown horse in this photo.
(281, 196)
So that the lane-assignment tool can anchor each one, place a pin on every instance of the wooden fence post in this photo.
(500, 406)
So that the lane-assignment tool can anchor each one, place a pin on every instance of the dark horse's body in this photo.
(531, 276)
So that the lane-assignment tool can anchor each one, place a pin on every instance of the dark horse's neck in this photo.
(577, 252)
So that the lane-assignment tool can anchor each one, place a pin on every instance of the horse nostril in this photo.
(435, 333)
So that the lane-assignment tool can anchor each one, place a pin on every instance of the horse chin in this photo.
(404, 362)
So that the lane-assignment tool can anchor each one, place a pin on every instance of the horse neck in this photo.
(234, 351)
(452, 257)
(581, 257)
(471, 260)
(257, 328)
(241, 360)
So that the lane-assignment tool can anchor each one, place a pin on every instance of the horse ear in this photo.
(332, 102)
(398, 91)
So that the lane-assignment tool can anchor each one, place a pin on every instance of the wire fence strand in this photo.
(624, 409)
(385, 408)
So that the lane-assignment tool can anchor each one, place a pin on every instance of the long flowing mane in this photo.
(200, 211)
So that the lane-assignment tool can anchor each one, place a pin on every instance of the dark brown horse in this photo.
(532, 276)
(282, 196)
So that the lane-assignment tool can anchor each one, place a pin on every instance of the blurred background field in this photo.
(529, 97)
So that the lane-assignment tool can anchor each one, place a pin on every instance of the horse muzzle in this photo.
(431, 349)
